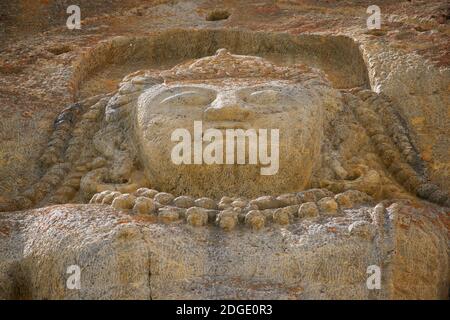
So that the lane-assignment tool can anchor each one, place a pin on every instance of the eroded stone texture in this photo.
(127, 139)
(123, 256)
(363, 119)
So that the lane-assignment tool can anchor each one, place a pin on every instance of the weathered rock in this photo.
(196, 216)
(281, 216)
(363, 229)
(184, 202)
(123, 201)
(120, 257)
(109, 197)
(308, 210)
(387, 142)
(328, 206)
(343, 200)
(206, 203)
(145, 192)
(255, 219)
(227, 219)
(289, 199)
(144, 205)
(168, 214)
(164, 198)
(266, 202)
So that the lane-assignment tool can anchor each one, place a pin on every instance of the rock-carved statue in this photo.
(344, 146)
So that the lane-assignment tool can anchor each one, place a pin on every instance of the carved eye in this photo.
(263, 96)
(190, 98)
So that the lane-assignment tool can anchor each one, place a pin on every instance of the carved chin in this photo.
(216, 181)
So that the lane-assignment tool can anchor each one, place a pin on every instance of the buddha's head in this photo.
(229, 92)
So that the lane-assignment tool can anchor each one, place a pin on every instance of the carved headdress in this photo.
(226, 65)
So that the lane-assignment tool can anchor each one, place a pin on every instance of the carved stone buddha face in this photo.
(227, 104)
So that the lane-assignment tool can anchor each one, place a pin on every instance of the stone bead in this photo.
(109, 197)
(306, 196)
(357, 196)
(321, 193)
(98, 197)
(94, 198)
(239, 204)
(124, 201)
(206, 203)
(145, 192)
(266, 202)
(268, 214)
(184, 202)
(292, 210)
(224, 205)
(227, 219)
(281, 216)
(289, 199)
(343, 200)
(308, 210)
(328, 206)
(196, 216)
(144, 205)
(250, 207)
(164, 198)
(255, 219)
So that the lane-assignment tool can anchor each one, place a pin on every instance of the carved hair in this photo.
(226, 65)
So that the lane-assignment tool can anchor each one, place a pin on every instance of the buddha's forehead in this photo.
(231, 84)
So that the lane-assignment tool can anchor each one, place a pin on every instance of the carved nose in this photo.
(226, 108)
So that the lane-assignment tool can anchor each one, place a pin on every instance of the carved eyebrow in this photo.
(185, 94)
(189, 97)
(166, 92)
(267, 94)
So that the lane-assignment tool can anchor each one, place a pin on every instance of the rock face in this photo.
(355, 202)
(123, 257)
(224, 92)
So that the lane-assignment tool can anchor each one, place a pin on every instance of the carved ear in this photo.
(129, 90)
